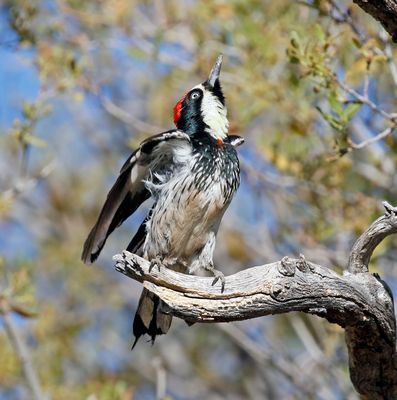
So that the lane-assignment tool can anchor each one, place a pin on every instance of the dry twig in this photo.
(22, 353)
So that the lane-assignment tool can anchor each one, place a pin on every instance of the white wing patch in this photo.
(179, 151)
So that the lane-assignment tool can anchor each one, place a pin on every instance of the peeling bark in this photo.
(358, 301)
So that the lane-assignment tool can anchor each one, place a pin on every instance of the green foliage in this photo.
(23, 17)
(16, 290)
(314, 55)
(339, 119)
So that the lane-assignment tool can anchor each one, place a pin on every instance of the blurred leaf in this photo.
(295, 40)
(137, 53)
(29, 110)
(320, 33)
(350, 110)
(335, 103)
(333, 121)
(22, 310)
(34, 141)
(6, 204)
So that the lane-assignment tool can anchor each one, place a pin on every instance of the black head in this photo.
(202, 110)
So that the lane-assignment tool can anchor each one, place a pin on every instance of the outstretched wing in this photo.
(129, 192)
(138, 240)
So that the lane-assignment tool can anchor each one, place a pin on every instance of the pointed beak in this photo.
(215, 72)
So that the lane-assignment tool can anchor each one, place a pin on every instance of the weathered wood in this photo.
(372, 355)
(357, 301)
(365, 245)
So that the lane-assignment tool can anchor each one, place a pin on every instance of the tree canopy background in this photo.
(312, 88)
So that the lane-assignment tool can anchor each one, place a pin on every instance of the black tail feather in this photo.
(149, 319)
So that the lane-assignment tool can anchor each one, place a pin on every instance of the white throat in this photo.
(214, 115)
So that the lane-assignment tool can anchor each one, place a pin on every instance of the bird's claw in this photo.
(219, 276)
(155, 262)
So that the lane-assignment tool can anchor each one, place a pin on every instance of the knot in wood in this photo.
(276, 290)
(302, 264)
(390, 212)
(286, 267)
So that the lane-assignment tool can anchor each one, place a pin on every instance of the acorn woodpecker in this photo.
(191, 173)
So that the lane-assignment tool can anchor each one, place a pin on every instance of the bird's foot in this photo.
(165, 262)
(155, 262)
(218, 276)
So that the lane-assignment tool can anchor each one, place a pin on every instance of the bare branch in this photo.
(23, 356)
(265, 357)
(371, 140)
(366, 243)
(357, 301)
(23, 185)
(276, 288)
(128, 118)
(365, 100)
(344, 16)
(161, 378)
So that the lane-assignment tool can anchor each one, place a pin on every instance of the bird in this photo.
(191, 173)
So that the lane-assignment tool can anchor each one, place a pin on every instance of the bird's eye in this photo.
(195, 95)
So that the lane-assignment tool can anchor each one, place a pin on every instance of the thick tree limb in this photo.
(367, 242)
(357, 301)
(385, 11)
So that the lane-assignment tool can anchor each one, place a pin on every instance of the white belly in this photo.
(183, 218)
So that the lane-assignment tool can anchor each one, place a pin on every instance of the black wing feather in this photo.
(235, 140)
(128, 193)
(139, 238)
(120, 203)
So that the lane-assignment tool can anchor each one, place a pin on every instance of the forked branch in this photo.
(357, 301)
